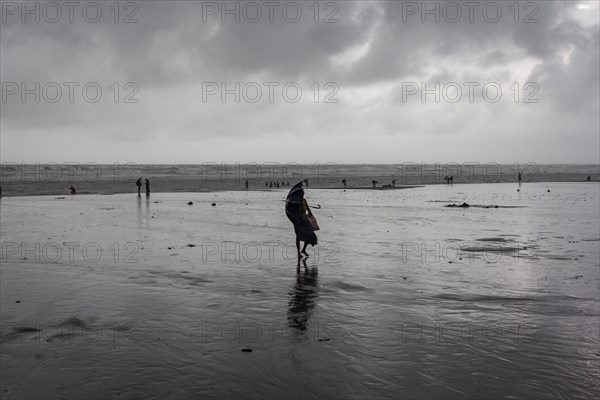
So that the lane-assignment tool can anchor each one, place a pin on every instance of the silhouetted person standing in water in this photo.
(589, 178)
(394, 183)
(147, 187)
(344, 182)
(451, 179)
(520, 178)
(72, 189)
(374, 182)
(246, 184)
(302, 227)
(138, 183)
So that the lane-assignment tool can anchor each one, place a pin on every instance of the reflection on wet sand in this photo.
(143, 215)
(139, 211)
(147, 211)
(302, 299)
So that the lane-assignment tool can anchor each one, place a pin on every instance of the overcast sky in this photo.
(370, 61)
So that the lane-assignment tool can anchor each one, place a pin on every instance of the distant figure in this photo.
(306, 182)
(138, 183)
(1, 191)
(374, 182)
(344, 182)
(267, 184)
(394, 183)
(589, 178)
(447, 179)
(147, 186)
(520, 178)
(72, 189)
(451, 179)
(271, 184)
(277, 183)
(246, 183)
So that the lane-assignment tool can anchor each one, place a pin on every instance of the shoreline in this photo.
(20, 189)
(143, 194)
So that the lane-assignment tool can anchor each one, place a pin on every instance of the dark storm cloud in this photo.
(369, 53)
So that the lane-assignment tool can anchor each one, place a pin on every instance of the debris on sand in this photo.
(576, 277)
(463, 205)
(467, 205)
(190, 203)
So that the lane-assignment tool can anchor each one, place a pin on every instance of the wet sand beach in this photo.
(120, 296)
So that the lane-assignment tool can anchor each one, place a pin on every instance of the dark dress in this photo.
(302, 228)
(305, 232)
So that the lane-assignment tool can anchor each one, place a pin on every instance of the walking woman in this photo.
(298, 212)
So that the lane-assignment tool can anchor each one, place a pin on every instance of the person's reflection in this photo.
(302, 299)
(139, 211)
(147, 211)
